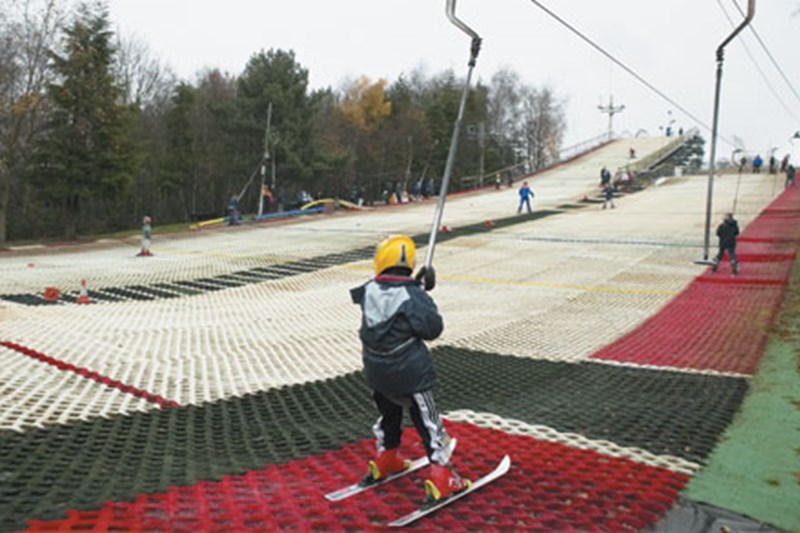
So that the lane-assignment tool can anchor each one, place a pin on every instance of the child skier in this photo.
(525, 195)
(147, 234)
(397, 317)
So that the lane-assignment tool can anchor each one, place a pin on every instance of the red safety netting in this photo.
(550, 486)
(720, 321)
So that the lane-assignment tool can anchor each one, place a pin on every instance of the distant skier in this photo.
(757, 162)
(605, 177)
(773, 165)
(147, 235)
(791, 175)
(525, 195)
(233, 210)
(608, 196)
(397, 317)
(727, 233)
(784, 163)
(430, 188)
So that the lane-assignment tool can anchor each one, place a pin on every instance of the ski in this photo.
(361, 486)
(425, 510)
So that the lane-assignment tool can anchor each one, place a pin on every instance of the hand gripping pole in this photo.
(475, 49)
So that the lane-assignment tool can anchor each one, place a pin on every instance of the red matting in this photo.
(720, 322)
(550, 487)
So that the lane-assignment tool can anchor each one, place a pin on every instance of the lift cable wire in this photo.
(769, 54)
(758, 67)
(630, 71)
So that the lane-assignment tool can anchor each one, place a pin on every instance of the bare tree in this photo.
(28, 30)
(529, 120)
(543, 125)
(505, 99)
(145, 80)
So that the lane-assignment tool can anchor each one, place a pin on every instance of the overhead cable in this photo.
(769, 54)
(629, 70)
(758, 67)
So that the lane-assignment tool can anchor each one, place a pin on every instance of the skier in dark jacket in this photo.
(791, 176)
(727, 233)
(398, 316)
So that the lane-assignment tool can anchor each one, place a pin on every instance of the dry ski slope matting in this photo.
(597, 356)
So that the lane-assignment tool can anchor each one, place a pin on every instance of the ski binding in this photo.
(500, 470)
(364, 485)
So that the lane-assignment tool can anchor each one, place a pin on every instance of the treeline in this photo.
(95, 132)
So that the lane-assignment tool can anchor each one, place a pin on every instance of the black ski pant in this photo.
(388, 429)
(731, 256)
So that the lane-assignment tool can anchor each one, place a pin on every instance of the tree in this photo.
(145, 80)
(365, 110)
(505, 96)
(87, 152)
(180, 164)
(543, 126)
(275, 77)
(364, 105)
(27, 30)
(406, 133)
(441, 99)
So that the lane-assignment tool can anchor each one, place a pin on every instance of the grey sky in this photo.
(671, 44)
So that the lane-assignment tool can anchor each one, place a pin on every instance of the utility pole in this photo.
(610, 110)
(482, 147)
(264, 163)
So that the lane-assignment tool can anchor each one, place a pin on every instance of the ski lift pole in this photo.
(264, 161)
(475, 49)
(751, 9)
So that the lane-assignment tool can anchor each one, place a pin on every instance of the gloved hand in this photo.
(426, 277)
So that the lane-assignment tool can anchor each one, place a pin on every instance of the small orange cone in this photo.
(83, 297)
(51, 294)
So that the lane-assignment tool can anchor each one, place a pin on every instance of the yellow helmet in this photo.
(396, 251)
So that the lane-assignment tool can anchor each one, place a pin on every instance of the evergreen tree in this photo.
(87, 152)
(179, 165)
(276, 77)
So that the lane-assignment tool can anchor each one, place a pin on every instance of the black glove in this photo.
(426, 277)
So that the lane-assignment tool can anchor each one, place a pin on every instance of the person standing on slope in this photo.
(397, 317)
(727, 233)
(525, 195)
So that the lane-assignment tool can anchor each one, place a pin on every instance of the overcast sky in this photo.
(670, 43)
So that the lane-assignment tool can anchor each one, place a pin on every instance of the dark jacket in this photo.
(397, 316)
(727, 232)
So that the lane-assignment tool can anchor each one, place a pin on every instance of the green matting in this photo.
(755, 470)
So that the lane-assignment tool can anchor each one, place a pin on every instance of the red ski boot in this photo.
(387, 463)
(443, 482)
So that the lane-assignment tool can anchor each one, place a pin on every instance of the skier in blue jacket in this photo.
(398, 316)
(525, 195)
